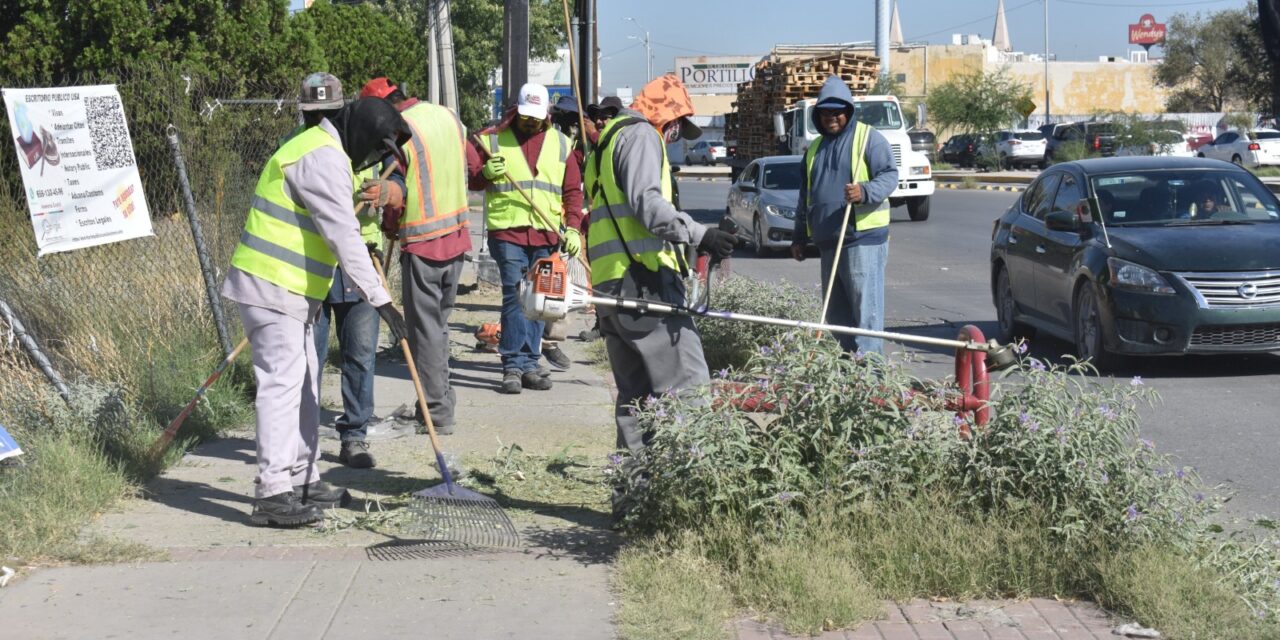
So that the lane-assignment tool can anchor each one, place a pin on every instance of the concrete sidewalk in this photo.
(361, 576)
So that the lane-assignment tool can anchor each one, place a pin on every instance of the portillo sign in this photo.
(715, 74)
(1147, 32)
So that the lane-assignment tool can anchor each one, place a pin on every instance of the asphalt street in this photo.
(1219, 414)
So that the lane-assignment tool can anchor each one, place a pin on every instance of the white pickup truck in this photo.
(915, 174)
(1257, 148)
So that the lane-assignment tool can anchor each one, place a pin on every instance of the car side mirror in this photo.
(675, 168)
(779, 126)
(1061, 221)
(747, 186)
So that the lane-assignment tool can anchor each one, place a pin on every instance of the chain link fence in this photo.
(138, 313)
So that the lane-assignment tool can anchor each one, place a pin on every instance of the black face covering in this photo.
(370, 128)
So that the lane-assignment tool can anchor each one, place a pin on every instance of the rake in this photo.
(448, 511)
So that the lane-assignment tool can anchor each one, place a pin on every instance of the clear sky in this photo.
(1078, 29)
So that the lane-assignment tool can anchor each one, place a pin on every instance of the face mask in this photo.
(671, 132)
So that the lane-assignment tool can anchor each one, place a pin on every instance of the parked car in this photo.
(1097, 139)
(1013, 148)
(961, 150)
(1256, 148)
(1142, 256)
(763, 199)
(925, 142)
(707, 152)
(1168, 142)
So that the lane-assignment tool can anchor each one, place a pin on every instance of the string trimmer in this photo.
(548, 294)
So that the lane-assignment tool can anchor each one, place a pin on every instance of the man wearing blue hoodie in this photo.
(850, 164)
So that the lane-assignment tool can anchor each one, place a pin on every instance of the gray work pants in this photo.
(649, 363)
(288, 420)
(429, 291)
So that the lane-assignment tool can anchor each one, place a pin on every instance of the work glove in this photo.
(374, 251)
(495, 168)
(381, 193)
(571, 242)
(395, 322)
(718, 243)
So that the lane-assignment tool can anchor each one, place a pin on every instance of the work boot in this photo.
(531, 380)
(443, 428)
(511, 379)
(284, 510)
(322, 494)
(556, 357)
(355, 454)
(587, 335)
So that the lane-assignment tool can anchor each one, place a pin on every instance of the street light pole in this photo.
(1046, 61)
(648, 54)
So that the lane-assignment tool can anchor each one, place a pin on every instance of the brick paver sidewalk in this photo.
(1035, 619)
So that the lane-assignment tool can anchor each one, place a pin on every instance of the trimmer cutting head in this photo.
(1000, 356)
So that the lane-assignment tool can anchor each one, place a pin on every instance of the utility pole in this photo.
(882, 36)
(586, 88)
(648, 54)
(1046, 61)
(515, 48)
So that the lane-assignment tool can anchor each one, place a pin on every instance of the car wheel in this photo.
(1007, 309)
(1005, 163)
(918, 208)
(1237, 161)
(757, 239)
(1089, 339)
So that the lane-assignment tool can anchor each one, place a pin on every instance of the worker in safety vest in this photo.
(633, 247)
(525, 150)
(850, 163)
(435, 236)
(300, 226)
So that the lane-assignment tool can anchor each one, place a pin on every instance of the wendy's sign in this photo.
(1147, 32)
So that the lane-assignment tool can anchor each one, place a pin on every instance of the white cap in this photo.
(533, 101)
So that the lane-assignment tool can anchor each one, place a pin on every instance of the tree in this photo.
(1254, 74)
(477, 38)
(977, 102)
(1200, 54)
(365, 41)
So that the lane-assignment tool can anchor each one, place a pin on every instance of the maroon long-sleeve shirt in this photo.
(571, 192)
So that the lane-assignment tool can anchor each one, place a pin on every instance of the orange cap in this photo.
(377, 88)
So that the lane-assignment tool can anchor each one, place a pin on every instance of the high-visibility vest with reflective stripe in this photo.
(505, 208)
(370, 221)
(280, 242)
(605, 249)
(865, 217)
(436, 182)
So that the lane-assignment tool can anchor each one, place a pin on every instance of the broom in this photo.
(447, 511)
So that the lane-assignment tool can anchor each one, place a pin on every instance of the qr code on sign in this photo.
(108, 132)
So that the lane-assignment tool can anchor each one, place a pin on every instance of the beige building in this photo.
(1075, 88)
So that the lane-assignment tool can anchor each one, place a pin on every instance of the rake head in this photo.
(449, 512)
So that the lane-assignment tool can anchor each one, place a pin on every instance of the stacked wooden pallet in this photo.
(779, 84)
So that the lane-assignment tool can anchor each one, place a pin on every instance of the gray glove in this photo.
(395, 322)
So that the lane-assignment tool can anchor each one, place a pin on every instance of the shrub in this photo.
(1068, 151)
(731, 343)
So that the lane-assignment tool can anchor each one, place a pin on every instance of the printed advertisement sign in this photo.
(78, 168)
(1147, 32)
(715, 74)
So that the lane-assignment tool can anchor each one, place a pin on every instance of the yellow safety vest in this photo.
(507, 209)
(435, 182)
(280, 242)
(370, 221)
(865, 217)
(605, 250)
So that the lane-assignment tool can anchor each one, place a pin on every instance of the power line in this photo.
(626, 48)
(952, 28)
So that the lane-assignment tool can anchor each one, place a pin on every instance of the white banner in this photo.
(715, 74)
(77, 166)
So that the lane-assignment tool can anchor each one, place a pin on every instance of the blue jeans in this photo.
(521, 342)
(358, 325)
(858, 296)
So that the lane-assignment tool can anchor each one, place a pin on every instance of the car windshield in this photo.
(881, 115)
(1029, 135)
(1183, 197)
(716, 143)
(782, 176)
(1266, 135)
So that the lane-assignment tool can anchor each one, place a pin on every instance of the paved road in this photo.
(1220, 414)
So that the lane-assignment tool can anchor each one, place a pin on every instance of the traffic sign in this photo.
(1026, 107)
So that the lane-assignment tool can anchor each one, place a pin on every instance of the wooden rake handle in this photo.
(162, 443)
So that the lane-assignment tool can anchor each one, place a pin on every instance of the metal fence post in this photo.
(34, 352)
(202, 252)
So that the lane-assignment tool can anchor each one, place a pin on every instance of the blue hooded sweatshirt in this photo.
(819, 221)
